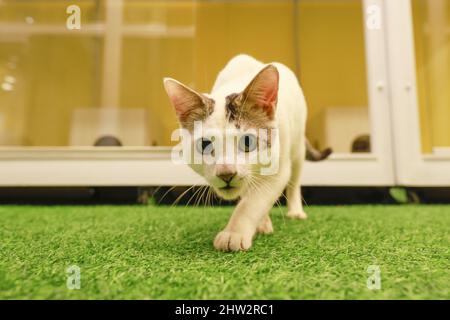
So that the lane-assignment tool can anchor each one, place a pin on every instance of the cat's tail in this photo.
(315, 155)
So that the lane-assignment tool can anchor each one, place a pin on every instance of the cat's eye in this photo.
(248, 143)
(205, 146)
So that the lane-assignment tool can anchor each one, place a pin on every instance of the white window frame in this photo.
(376, 168)
(412, 167)
(153, 165)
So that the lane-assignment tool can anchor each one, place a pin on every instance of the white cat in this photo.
(246, 96)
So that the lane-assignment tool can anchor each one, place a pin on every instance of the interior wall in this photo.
(146, 61)
(330, 41)
(56, 74)
(432, 50)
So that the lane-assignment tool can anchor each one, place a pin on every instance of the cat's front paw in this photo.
(265, 226)
(232, 241)
(301, 215)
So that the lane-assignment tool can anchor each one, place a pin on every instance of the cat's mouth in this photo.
(228, 192)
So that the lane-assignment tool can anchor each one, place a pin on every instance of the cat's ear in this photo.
(262, 92)
(190, 106)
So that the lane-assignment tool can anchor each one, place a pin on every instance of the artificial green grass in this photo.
(151, 252)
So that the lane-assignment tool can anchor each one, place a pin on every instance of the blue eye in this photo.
(204, 146)
(248, 143)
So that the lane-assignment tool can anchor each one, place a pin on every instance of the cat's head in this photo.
(233, 134)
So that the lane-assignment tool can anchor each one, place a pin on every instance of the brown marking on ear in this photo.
(255, 107)
(245, 115)
(231, 107)
(262, 92)
(198, 112)
(190, 106)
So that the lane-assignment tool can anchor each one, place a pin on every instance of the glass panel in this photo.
(432, 48)
(332, 71)
(160, 42)
(71, 88)
(34, 12)
(320, 40)
(52, 76)
(172, 13)
(45, 73)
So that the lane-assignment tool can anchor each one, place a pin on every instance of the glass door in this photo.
(420, 63)
(342, 67)
(84, 104)
(81, 95)
(47, 71)
(431, 24)
(99, 85)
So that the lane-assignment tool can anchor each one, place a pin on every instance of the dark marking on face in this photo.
(199, 111)
(248, 117)
(232, 106)
(245, 114)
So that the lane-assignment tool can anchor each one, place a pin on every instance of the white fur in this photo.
(251, 213)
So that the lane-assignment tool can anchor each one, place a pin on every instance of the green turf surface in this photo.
(138, 252)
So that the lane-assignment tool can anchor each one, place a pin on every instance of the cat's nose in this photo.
(227, 176)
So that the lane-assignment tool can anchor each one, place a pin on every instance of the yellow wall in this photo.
(49, 11)
(59, 73)
(146, 61)
(330, 41)
(62, 71)
(432, 49)
(332, 55)
(54, 74)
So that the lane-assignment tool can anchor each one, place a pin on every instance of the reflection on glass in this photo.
(432, 46)
(46, 71)
(102, 84)
(332, 71)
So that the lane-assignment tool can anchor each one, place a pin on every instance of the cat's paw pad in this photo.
(232, 241)
(265, 227)
(301, 215)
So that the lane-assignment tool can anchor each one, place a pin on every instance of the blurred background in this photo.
(85, 120)
(58, 85)
(101, 85)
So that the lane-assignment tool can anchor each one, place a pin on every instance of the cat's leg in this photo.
(239, 232)
(249, 214)
(293, 192)
(265, 226)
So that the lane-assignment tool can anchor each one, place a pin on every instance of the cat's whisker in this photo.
(259, 186)
(194, 196)
(203, 197)
(165, 194)
(211, 196)
(200, 198)
(304, 201)
(191, 197)
(204, 211)
(264, 184)
(195, 193)
(255, 106)
(205, 202)
(178, 199)
(157, 189)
